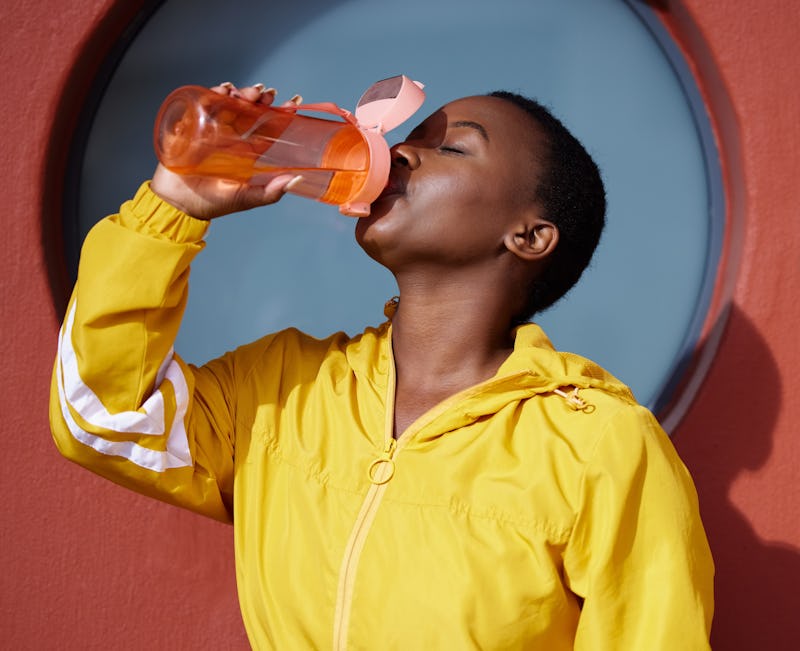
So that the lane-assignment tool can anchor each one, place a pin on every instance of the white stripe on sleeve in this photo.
(74, 393)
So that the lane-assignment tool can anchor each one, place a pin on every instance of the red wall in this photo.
(85, 563)
(740, 436)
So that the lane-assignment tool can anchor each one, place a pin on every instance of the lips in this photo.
(394, 186)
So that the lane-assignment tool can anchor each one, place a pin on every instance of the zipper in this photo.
(379, 472)
(347, 574)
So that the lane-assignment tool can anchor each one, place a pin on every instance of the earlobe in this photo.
(533, 241)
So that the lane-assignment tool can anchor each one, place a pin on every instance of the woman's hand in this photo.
(206, 198)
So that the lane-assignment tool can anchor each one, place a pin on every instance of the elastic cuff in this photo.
(150, 214)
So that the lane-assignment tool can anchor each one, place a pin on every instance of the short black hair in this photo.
(571, 194)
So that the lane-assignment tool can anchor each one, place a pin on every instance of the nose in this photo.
(405, 155)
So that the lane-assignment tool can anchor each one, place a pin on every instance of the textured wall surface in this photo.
(740, 438)
(86, 564)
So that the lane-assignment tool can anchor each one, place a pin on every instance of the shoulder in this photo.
(581, 401)
(299, 353)
(595, 422)
(633, 442)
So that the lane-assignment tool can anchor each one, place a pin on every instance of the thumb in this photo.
(252, 196)
(277, 187)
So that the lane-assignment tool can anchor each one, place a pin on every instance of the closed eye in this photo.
(450, 150)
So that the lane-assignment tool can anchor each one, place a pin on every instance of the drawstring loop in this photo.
(575, 402)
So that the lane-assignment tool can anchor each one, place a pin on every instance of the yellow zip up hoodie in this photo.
(541, 509)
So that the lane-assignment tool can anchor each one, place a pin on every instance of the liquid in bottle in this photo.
(202, 133)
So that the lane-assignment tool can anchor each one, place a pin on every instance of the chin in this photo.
(376, 236)
(366, 239)
(383, 205)
(378, 218)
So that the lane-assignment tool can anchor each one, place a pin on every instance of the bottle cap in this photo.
(385, 105)
(388, 103)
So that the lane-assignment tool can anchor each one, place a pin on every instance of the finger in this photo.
(252, 93)
(267, 96)
(291, 185)
(294, 101)
(279, 186)
(225, 88)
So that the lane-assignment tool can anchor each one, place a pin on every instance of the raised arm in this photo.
(122, 403)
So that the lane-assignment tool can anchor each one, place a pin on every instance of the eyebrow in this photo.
(472, 125)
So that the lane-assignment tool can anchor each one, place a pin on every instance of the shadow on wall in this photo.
(756, 586)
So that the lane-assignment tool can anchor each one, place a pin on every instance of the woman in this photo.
(446, 480)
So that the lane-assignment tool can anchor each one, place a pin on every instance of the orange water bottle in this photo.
(343, 162)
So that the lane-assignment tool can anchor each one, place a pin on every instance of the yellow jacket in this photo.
(542, 509)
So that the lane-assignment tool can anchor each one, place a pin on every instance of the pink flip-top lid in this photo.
(388, 103)
(383, 106)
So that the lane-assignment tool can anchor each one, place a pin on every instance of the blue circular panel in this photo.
(596, 63)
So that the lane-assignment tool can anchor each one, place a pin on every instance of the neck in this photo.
(450, 334)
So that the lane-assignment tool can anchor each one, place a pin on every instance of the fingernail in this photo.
(293, 183)
(297, 99)
(227, 84)
(259, 88)
(270, 91)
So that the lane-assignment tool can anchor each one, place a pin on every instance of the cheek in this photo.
(460, 192)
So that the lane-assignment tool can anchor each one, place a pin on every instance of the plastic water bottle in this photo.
(343, 162)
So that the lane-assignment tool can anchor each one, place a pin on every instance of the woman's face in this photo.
(456, 186)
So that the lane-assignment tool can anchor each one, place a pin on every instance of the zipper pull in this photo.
(382, 469)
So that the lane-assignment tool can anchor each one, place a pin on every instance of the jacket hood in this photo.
(536, 368)
(551, 369)
(533, 368)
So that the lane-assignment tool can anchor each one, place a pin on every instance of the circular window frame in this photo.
(112, 35)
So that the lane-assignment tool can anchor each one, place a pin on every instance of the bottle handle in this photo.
(383, 106)
(323, 107)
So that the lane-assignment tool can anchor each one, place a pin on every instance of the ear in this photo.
(532, 239)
